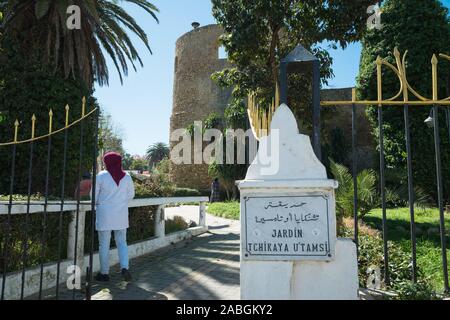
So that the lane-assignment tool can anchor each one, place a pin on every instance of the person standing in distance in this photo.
(215, 191)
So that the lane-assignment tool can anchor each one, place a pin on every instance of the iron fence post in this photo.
(383, 195)
(89, 273)
(8, 222)
(355, 179)
(437, 146)
(316, 109)
(410, 192)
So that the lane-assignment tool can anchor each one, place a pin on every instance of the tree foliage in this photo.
(139, 164)
(157, 152)
(127, 160)
(110, 135)
(27, 88)
(422, 28)
(228, 173)
(258, 34)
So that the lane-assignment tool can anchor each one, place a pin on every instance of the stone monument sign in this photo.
(289, 248)
(295, 227)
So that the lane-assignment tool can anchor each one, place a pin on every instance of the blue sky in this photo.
(141, 107)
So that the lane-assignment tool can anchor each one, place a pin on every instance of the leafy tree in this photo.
(236, 115)
(77, 51)
(422, 28)
(258, 34)
(139, 164)
(156, 153)
(127, 161)
(228, 174)
(163, 167)
(44, 64)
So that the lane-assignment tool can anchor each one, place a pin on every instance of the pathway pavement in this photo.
(203, 268)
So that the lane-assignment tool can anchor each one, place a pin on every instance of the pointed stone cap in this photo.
(285, 154)
(299, 54)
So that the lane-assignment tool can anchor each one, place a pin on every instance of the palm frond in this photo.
(79, 53)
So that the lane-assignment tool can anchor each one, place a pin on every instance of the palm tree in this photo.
(157, 152)
(366, 190)
(42, 24)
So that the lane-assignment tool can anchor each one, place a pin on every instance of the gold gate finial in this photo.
(434, 75)
(16, 130)
(379, 62)
(83, 108)
(51, 130)
(33, 126)
(50, 121)
(67, 114)
(405, 88)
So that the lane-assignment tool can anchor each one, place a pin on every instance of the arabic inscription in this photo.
(282, 228)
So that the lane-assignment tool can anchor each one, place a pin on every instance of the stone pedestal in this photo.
(289, 248)
(303, 280)
(76, 247)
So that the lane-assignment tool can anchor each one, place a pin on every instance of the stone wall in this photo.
(342, 118)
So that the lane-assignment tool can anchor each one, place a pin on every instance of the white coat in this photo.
(112, 201)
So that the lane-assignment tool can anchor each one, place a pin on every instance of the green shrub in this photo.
(175, 224)
(163, 167)
(371, 256)
(408, 290)
(154, 186)
(213, 120)
(36, 253)
(186, 192)
(22, 197)
(366, 180)
(158, 185)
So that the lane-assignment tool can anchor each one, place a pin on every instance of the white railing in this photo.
(160, 240)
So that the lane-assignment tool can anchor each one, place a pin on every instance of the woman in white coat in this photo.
(114, 190)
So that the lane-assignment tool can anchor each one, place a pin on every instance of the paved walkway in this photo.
(205, 267)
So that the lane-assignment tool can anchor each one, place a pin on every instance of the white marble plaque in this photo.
(287, 227)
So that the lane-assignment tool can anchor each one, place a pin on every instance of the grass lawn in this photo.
(429, 257)
(229, 210)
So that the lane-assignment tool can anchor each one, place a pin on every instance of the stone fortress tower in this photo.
(195, 94)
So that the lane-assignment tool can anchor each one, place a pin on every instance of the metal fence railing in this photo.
(438, 106)
(83, 160)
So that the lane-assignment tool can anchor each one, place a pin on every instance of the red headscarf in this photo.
(113, 163)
